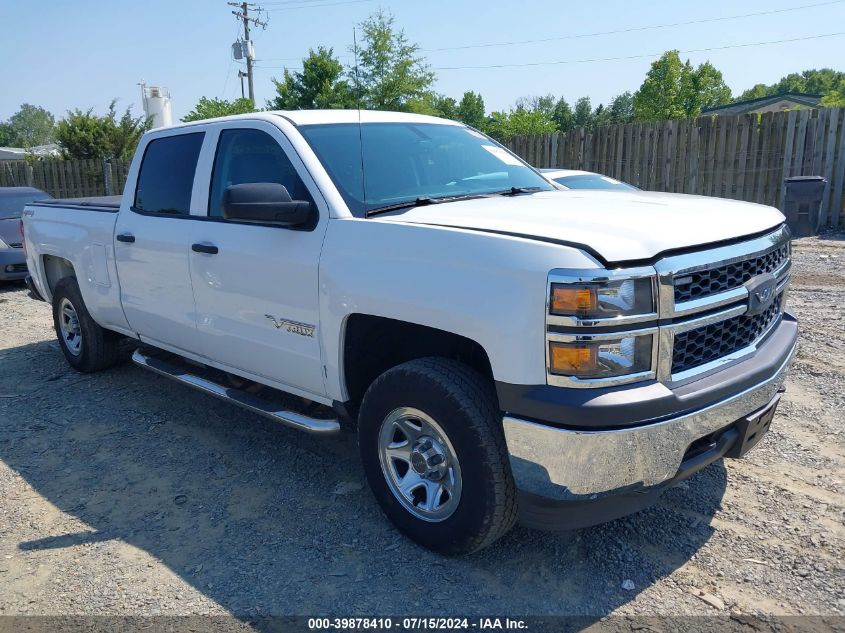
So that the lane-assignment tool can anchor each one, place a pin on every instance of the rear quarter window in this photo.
(166, 178)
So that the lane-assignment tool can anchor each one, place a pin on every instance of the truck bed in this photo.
(67, 231)
(110, 204)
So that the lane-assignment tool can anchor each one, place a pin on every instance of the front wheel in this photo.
(434, 453)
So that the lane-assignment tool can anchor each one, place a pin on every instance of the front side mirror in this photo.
(267, 202)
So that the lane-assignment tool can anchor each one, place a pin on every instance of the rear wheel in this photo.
(86, 346)
(434, 453)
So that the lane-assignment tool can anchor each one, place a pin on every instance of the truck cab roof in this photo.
(323, 117)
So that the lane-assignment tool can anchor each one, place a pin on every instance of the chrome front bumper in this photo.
(572, 465)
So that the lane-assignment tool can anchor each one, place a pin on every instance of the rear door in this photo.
(257, 293)
(153, 243)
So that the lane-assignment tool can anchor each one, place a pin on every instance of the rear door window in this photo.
(167, 173)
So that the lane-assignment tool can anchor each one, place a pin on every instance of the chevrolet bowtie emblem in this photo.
(761, 293)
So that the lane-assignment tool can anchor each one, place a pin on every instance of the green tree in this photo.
(601, 116)
(210, 108)
(433, 104)
(544, 104)
(659, 96)
(704, 87)
(86, 135)
(471, 110)
(563, 116)
(445, 107)
(821, 81)
(319, 85)
(389, 73)
(675, 90)
(755, 92)
(622, 108)
(835, 97)
(29, 126)
(583, 115)
(6, 135)
(519, 121)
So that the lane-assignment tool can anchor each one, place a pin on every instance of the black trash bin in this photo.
(802, 204)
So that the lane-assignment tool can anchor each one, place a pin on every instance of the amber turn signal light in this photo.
(573, 359)
(573, 300)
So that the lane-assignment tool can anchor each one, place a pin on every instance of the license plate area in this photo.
(752, 429)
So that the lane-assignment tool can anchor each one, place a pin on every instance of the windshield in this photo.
(404, 162)
(11, 206)
(593, 181)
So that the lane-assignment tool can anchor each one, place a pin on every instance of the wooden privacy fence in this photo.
(66, 178)
(744, 157)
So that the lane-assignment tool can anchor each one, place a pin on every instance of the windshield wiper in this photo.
(426, 200)
(514, 191)
(407, 204)
(421, 202)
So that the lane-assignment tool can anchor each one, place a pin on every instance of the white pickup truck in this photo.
(502, 349)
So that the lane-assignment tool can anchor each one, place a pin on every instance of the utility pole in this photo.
(243, 14)
(241, 75)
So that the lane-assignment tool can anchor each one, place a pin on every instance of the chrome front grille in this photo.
(710, 281)
(708, 343)
(701, 322)
(704, 296)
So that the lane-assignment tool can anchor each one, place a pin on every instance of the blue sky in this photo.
(64, 55)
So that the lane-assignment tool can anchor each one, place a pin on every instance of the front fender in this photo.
(485, 287)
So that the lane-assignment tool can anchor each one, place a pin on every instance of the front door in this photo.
(257, 293)
(153, 243)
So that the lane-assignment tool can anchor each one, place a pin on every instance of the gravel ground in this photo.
(126, 494)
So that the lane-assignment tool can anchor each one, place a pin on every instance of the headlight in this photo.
(601, 356)
(3, 244)
(605, 299)
(601, 327)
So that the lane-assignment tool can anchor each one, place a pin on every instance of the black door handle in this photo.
(210, 249)
(126, 237)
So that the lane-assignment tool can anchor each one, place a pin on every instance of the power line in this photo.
(318, 6)
(644, 55)
(632, 29)
(293, 59)
(290, 2)
(293, 69)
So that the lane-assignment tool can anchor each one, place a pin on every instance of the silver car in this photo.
(577, 179)
(12, 202)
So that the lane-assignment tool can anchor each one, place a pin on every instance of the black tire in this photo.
(99, 348)
(464, 405)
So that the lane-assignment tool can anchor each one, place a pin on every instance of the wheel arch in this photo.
(55, 269)
(373, 344)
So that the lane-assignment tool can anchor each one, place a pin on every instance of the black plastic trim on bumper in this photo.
(633, 405)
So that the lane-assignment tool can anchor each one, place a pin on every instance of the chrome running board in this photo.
(238, 397)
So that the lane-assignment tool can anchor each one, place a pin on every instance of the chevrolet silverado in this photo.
(503, 349)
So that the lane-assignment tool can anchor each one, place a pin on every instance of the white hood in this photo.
(619, 226)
